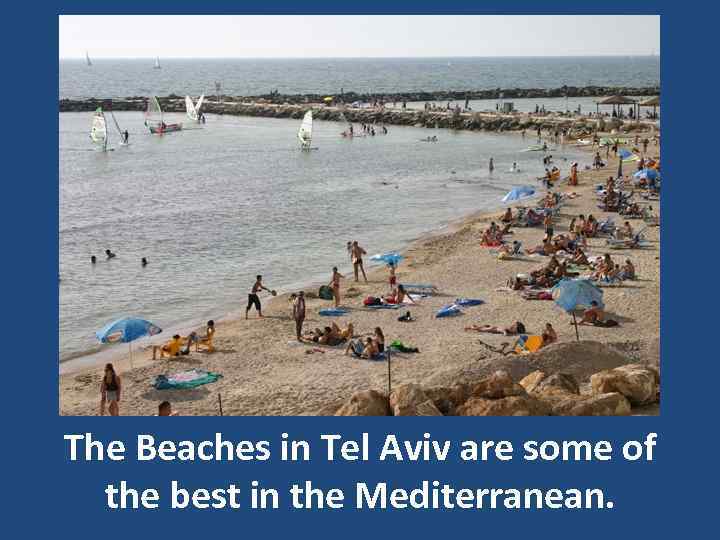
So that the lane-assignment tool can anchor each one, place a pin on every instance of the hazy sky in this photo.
(256, 36)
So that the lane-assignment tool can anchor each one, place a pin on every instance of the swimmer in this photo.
(109, 254)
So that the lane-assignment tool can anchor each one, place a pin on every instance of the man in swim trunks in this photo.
(357, 253)
(335, 285)
(254, 299)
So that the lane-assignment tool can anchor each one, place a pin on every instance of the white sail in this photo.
(305, 132)
(190, 109)
(157, 62)
(154, 114)
(117, 126)
(87, 59)
(98, 131)
(199, 103)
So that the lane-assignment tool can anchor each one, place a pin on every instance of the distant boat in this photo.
(305, 132)
(157, 63)
(87, 59)
(154, 118)
(193, 109)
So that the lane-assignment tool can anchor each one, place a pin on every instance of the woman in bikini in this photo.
(110, 391)
(335, 285)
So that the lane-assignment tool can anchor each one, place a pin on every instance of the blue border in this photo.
(43, 493)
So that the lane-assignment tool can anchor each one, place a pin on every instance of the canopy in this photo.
(392, 257)
(616, 100)
(126, 330)
(570, 294)
(650, 102)
(518, 193)
(647, 174)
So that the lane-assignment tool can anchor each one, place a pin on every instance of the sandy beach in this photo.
(265, 372)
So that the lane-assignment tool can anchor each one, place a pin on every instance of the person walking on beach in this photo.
(357, 253)
(254, 299)
(299, 314)
(335, 285)
(110, 391)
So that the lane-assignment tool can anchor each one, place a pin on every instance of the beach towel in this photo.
(185, 379)
(528, 344)
(420, 288)
(448, 311)
(333, 312)
(399, 346)
(385, 306)
(468, 302)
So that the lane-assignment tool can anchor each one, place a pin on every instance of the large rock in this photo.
(610, 404)
(539, 382)
(638, 383)
(448, 399)
(411, 400)
(523, 405)
(365, 403)
(498, 385)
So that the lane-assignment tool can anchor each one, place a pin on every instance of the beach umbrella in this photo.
(126, 330)
(571, 294)
(518, 193)
(392, 257)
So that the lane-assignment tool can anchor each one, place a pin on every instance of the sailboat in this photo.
(154, 118)
(193, 110)
(157, 63)
(98, 130)
(305, 132)
(87, 59)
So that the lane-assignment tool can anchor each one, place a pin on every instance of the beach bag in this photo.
(372, 301)
(325, 293)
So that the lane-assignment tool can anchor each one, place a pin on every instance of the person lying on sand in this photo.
(592, 315)
(513, 330)
(547, 248)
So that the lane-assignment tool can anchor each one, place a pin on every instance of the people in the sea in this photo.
(144, 262)
(109, 254)
(126, 136)
(357, 261)
(491, 166)
(298, 312)
(93, 259)
(110, 389)
(335, 284)
(254, 299)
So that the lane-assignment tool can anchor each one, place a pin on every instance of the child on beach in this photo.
(392, 278)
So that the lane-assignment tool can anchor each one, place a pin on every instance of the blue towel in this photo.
(468, 302)
(332, 312)
(448, 311)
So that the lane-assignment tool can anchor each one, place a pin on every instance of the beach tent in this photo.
(571, 294)
(653, 102)
(614, 101)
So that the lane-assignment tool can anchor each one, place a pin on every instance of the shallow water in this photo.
(212, 207)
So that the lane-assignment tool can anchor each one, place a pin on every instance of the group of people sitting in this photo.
(370, 347)
(179, 345)
(331, 335)
(493, 235)
(606, 270)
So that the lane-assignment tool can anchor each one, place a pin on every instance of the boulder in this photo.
(411, 400)
(365, 403)
(498, 385)
(522, 405)
(448, 399)
(638, 383)
(610, 404)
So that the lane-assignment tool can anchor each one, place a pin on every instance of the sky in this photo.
(334, 36)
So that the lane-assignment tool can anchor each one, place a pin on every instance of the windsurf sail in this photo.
(305, 133)
(190, 109)
(87, 59)
(199, 103)
(153, 114)
(98, 131)
(157, 62)
(117, 126)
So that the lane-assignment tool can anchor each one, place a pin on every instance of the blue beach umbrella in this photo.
(571, 294)
(519, 193)
(392, 257)
(126, 330)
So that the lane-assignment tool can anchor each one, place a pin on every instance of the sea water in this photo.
(214, 205)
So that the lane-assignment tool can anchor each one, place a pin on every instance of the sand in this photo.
(265, 373)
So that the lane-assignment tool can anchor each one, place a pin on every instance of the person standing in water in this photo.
(254, 299)
(126, 136)
(335, 285)
(357, 253)
(491, 166)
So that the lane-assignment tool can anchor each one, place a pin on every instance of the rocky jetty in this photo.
(295, 106)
